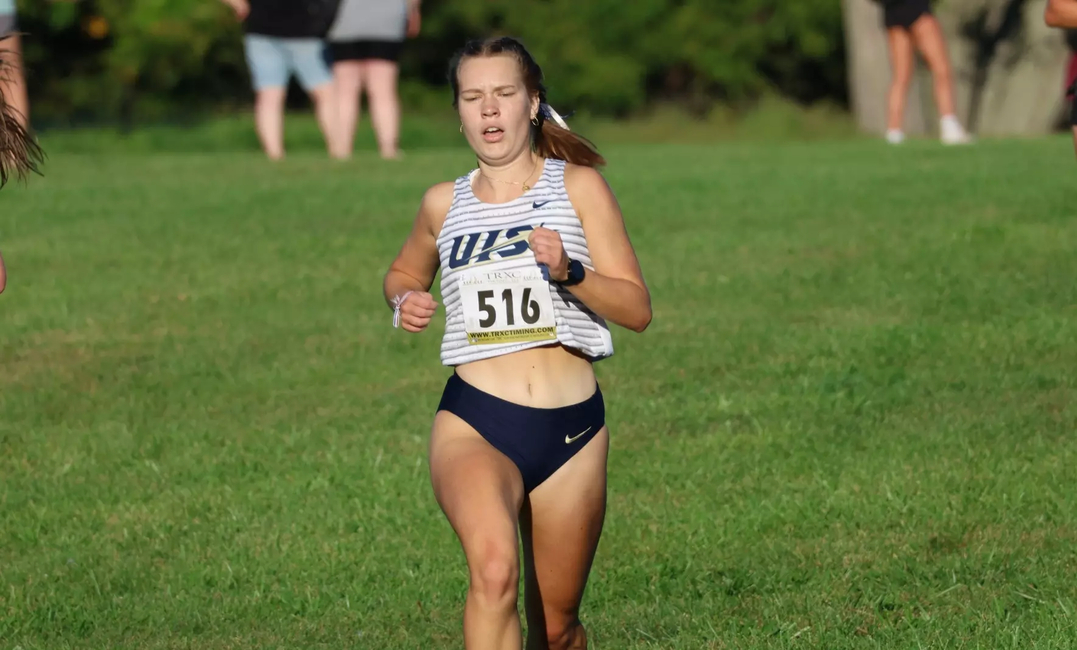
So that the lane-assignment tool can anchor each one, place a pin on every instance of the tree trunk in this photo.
(1008, 67)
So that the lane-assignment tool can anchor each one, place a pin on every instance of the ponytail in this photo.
(19, 151)
(555, 140)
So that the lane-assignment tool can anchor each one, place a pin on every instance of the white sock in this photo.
(895, 136)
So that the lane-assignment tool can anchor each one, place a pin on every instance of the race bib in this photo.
(507, 307)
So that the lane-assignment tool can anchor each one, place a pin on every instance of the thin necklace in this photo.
(526, 186)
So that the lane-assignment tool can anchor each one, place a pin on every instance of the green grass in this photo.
(850, 425)
(429, 127)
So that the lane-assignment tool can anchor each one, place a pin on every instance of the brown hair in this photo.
(19, 151)
(547, 139)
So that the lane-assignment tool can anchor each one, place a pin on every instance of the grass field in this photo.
(850, 424)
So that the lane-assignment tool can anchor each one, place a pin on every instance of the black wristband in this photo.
(575, 274)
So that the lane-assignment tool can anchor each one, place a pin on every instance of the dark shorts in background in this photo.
(365, 50)
(903, 13)
(1071, 94)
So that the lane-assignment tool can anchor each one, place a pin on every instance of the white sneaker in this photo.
(895, 136)
(951, 132)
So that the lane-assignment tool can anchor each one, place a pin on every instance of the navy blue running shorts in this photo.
(537, 440)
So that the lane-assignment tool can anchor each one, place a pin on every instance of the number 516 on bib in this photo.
(508, 309)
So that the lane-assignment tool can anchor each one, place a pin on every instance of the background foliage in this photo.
(132, 59)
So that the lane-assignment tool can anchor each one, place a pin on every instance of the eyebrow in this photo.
(477, 90)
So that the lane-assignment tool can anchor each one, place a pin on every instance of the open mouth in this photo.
(492, 134)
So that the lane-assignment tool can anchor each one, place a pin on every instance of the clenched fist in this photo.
(416, 311)
(550, 250)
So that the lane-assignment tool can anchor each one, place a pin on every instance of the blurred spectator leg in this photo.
(268, 61)
(901, 66)
(1071, 95)
(308, 60)
(380, 77)
(324, 97)
(929, 39)
(1071, 83)
(347, 75)
(269, 120)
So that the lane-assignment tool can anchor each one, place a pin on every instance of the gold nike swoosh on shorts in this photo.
(574, 438)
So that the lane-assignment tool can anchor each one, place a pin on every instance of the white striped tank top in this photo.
(497, 299)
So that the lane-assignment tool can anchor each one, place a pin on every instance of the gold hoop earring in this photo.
(461, 127)
(534, 120)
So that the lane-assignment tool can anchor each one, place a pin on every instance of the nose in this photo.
(490, 107)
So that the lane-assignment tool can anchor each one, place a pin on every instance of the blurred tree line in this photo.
(144, 59)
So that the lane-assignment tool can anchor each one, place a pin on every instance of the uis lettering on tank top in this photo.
(497, 299)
